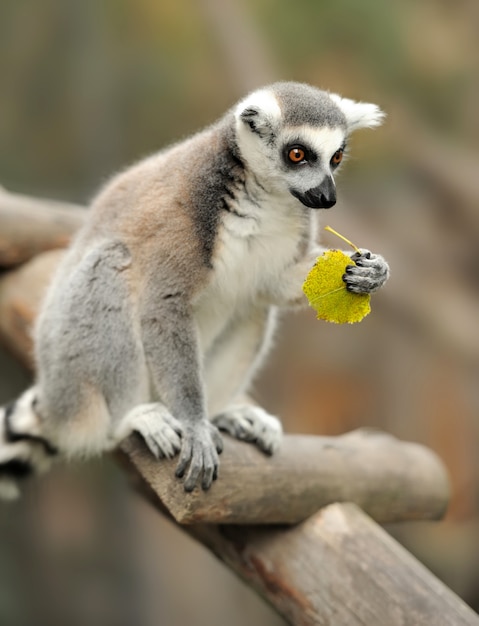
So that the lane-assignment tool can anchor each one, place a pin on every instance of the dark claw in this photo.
(193, 475)
(180, 471)
(357, 256)
(182, 465)
(207, 478)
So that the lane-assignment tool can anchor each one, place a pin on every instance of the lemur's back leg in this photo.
(106, 390)
(230, 368)
(91, 374)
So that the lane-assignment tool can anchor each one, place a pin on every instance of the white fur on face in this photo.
(324, 141)
(255, 149)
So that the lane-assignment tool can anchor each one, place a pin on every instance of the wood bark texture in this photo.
(21, 291)
(389, 479)
(337, 568)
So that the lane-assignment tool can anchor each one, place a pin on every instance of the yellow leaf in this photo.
(327, 294)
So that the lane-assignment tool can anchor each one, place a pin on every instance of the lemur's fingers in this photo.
(159, 429)
(217, 439)
(199, 455)
(195, 467)
(252, 423)
(185, 457)
(368, 274)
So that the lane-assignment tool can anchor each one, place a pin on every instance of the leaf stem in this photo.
(331, 230)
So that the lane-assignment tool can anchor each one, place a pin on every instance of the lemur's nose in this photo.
(324, 195)
(326, 203)
(321, 197)
(327, 192)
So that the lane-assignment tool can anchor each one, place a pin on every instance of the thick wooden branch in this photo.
(337, 568)
(29, 226)
(389, 479)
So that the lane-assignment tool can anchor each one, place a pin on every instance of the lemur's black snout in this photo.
(326, 203)
(321, 197)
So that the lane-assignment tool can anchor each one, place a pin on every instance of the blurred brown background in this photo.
(87, 87)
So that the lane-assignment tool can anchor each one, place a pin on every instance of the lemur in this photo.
(165, 304)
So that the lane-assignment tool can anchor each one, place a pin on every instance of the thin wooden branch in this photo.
(29, 226)
(389, 479)
(21, 291)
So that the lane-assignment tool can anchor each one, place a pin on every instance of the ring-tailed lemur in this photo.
(165, 304)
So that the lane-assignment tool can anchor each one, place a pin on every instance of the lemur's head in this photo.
(294, 136)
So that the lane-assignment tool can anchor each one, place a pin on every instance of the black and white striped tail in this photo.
(23, 450)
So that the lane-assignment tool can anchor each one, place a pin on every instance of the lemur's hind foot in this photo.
(251, 423)
(23, 451)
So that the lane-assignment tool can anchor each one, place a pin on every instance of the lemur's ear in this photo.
(260, 113)
(258, 121)
(359, 114)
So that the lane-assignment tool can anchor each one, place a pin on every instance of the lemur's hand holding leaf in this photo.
(338, 286)
(327, 294)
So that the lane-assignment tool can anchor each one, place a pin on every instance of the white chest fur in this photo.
(257, 239)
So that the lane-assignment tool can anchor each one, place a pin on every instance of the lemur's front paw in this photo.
(251, 423)
(368, 275)
(159, 429)
(200, 448)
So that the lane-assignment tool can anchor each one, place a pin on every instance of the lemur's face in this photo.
(308, 158)
(293, 137)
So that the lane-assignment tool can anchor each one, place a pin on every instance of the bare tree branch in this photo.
(389, 479)
(29, 226)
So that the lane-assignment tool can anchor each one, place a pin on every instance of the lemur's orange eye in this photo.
(296, 155)
(337, 157)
